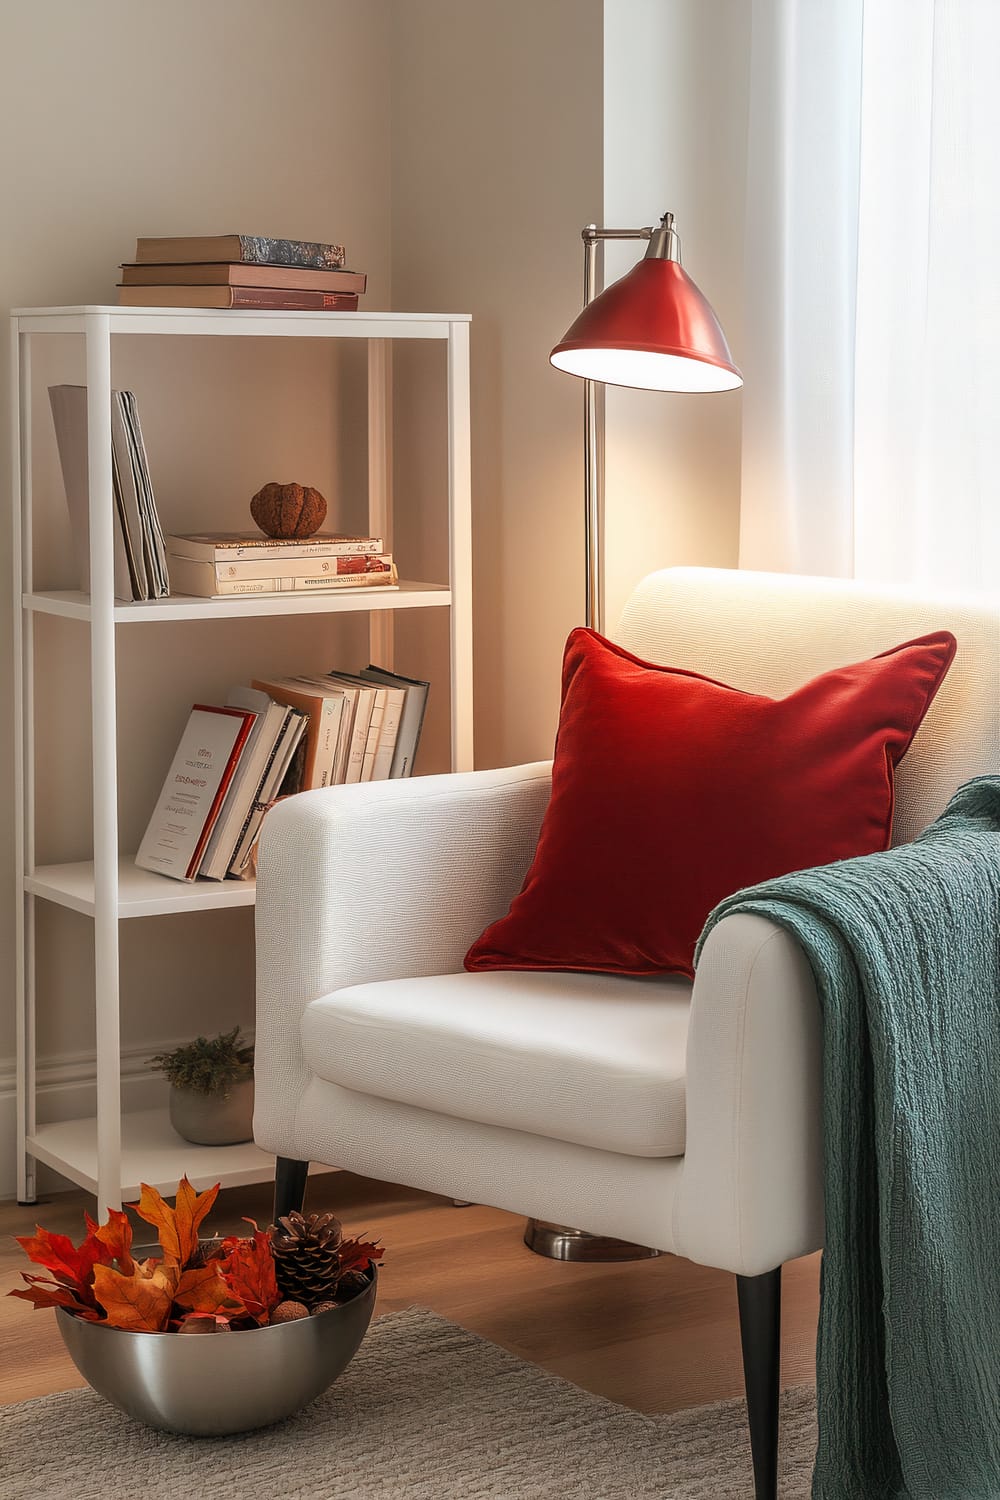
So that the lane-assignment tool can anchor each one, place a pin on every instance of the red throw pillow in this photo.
(671, 791)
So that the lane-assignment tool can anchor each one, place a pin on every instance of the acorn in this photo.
(289, 1312)
(322, 1307)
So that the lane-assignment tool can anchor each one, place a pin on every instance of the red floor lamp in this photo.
(652, 330)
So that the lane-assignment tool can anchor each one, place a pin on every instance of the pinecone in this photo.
(306, 1256)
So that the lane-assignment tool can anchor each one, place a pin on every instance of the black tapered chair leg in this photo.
(289, 1186)
(760, 1332)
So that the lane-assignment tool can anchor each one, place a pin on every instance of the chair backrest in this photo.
(771, 632)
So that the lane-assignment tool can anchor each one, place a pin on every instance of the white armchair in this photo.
(683, 1118)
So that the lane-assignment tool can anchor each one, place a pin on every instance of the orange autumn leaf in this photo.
(140, 1302)
(115, 1236)
(176, 1226)
(204, 1289)
(248, 1267)
(357, 1255)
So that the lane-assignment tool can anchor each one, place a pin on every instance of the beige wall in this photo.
(676, 77)
(118, 119)
(514, 124)
(496, 163)
(458, 146)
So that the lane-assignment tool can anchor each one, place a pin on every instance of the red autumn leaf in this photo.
(357, 1255)
(45, 1293)
(176, 1226)
(205, 1290)
(57, 1253)
(140, 1302)
(248, 1268)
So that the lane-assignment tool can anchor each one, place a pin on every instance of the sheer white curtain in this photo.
(872, 349)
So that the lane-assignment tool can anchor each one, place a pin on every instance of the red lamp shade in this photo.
(652, 329)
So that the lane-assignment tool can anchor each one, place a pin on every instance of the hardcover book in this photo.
(253, 249)
(265, 297)
(288, 278)
(212, 575)
(194, 791)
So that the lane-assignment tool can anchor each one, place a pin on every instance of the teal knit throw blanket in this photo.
(905, 950)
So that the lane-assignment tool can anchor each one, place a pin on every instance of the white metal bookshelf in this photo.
(111, 1153)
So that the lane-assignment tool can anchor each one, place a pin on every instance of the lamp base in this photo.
(557, 1242)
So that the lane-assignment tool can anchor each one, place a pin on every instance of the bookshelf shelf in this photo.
(111, 1153)
(73, 605)
(141, 893)
(152, 1152)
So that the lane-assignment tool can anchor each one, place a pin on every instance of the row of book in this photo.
(240, 270)
(219, 565)
(272, 739)
(149, 565)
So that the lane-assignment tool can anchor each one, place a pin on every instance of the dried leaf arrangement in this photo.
(196, 1285)
(208, 1066)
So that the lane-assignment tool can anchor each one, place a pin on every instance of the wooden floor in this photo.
(655, 1335)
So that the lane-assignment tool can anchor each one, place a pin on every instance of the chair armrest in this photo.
(751, 1194)
(382, 880)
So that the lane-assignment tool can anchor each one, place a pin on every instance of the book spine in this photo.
(388, 734)
(266, 568)
(374, 733)
(260, 250)
(218, 553)
(291, 301)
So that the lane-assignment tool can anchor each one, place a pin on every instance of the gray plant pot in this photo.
(210, 1119)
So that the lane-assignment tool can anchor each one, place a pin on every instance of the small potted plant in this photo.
(211, 1089)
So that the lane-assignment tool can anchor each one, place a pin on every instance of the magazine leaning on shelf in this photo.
(140, 559)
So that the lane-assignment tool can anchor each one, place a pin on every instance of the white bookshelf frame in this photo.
(110, 1153)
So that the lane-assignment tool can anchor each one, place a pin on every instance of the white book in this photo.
(193, 793)
(219, 548)
(210, 575)
(414, 708)
(244, 788)
(364, 697)
(295, 726)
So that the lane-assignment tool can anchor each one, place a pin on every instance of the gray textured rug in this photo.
(426, 1411)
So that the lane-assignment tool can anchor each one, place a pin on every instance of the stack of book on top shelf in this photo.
(220, 564)
(240, 270)
(140, 561)
(279, 736)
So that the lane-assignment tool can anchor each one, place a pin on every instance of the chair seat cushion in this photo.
(594, 1059)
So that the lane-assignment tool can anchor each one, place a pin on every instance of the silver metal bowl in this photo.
(208, 1385)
